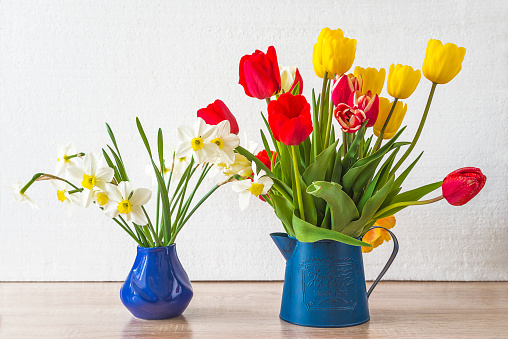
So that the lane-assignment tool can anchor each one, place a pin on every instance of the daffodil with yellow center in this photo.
(63, 157)
(402, 81)
(61, 195)
(333, 53)
(124, 207)
(127, 201)
(196, 142)
(102, 198)
(372, 79)
(260, 185)
(442, 62)
(218, 142)
(226, 142)
(91, 175)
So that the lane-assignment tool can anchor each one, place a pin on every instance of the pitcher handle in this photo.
(388, 263)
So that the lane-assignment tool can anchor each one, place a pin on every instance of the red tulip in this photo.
(217, 112)
(289, 119)
(462, 185)
(343, 86)
(259, 74)
(263, 157)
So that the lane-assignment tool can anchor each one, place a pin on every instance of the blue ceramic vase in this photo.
(324, 283)
(157, 286)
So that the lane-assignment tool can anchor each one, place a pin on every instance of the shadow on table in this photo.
(137, 328)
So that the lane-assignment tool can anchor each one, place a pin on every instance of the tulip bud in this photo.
(402, 81)
(372, 79)
(259, 74)
(343, 86)
(263, 157)
(462, 185)
(289, 119)
(217, 112)
(395, 121)
(333, 53)
(289, 78)
(442, 63)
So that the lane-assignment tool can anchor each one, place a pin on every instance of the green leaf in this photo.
(385, 169)
(162, 187)
(110, 164)
(306, 232)
(381, 152)
(308, 205)
(412, 195)
(343, 209)
(284, 212)
(296, 89)
(364, 178)
(352, 152)
(355, 228)
(267, 147)
(120, 166)
(112, 136)
(143, 137)
(274, 142)
(160, 150)
(316, 171)
(337, 167)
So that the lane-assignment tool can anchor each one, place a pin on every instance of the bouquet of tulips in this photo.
(101, 180)
(336, 182)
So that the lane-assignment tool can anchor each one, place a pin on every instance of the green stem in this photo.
(380, 137)
(420, 128)
(68, 157)
(150, 227)
(297, 182)
(129, 232)
(405, 203)
(193, 210)
(344, 141)
(268, 101)
(328, 125)
(322, 103)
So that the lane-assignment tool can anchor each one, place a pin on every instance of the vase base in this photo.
(327, 326)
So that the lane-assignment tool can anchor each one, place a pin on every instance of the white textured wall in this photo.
(66, 67)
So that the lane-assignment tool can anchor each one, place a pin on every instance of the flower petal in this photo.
(138, 216)
(113, 193)
(125, 188)
(140, 196)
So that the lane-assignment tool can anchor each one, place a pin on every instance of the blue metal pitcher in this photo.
(324, 285)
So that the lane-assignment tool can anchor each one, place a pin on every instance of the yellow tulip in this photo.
(395, 121)
(402, 81)
(442, 63)
(377, 236)
(333, 53)
(372, 79)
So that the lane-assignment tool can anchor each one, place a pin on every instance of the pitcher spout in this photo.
(284, 243)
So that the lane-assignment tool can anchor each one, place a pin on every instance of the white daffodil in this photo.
(91, 175)
(196, 142)
(101, 198)
(226, 141)
(241, 165)
(125, 200)
(21, 197)
(64, 151)
(177, 166)
(63, 195)
(260, 185)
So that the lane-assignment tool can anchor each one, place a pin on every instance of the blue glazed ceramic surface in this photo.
(157, 286)
(324, 284)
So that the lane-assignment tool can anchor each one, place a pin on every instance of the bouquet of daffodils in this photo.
(101, 180)
(336, 182)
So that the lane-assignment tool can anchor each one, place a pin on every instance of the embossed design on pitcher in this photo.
(327, 282)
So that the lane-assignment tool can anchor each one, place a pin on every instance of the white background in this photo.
(66, 67)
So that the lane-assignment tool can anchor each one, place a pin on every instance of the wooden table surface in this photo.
(251, 310)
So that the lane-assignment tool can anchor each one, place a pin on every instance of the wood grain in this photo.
(250, 310)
